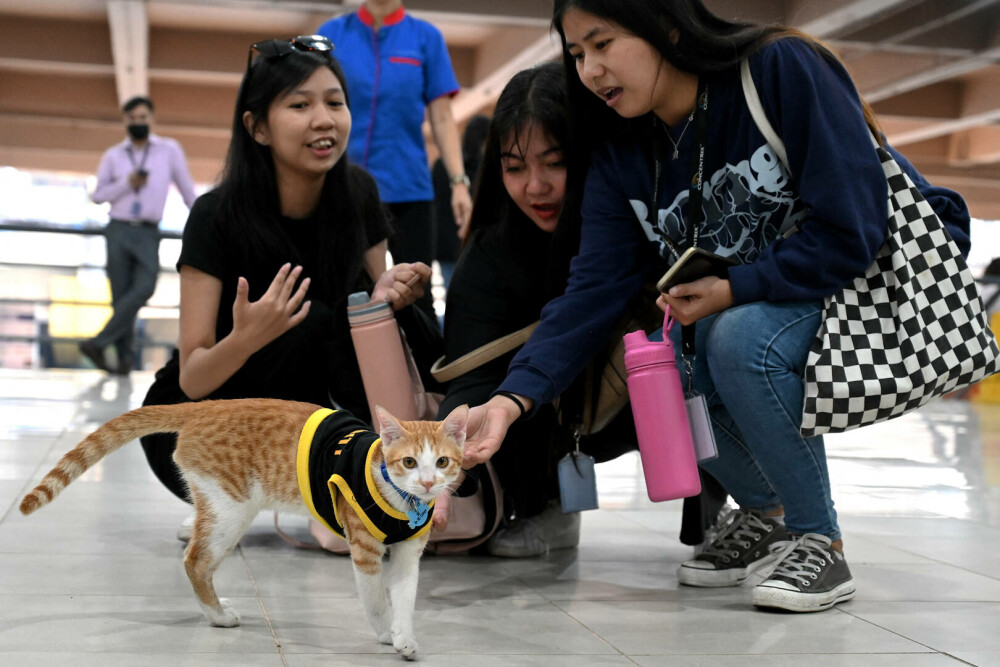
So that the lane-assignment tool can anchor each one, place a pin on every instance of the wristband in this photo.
(516, 400)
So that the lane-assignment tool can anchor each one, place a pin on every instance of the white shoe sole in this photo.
(706, 578)
(789, 600)
(185, 529)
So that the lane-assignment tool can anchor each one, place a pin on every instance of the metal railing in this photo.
(18, 308)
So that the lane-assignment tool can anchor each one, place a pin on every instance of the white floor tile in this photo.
(842, 660)
(708, 627)
(122, 659)
(151, 625)
(96, 578)
(507, 626)
(947, 627)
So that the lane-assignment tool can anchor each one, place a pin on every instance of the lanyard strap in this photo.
(142, 162)
(694, 212)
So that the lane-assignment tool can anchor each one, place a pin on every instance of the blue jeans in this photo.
(749, 365)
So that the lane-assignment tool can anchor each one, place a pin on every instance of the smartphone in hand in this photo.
(695, 263)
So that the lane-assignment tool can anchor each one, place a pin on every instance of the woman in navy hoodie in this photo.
(656, 89)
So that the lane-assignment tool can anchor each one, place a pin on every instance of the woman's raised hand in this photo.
(402, 284)
(257, 323)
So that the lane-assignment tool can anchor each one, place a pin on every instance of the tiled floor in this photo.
(97, 579)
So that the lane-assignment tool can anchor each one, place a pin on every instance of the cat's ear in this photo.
(388, 426)
(455, 424)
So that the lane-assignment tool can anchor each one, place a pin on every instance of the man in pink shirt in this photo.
(134, 177)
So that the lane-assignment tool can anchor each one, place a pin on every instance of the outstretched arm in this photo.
(488, 424)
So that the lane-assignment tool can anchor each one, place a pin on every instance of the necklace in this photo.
(677, 144)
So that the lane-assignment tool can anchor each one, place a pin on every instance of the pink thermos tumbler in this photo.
(379, 349)
(661, 421)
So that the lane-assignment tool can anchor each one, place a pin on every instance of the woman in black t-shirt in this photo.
(270, 256)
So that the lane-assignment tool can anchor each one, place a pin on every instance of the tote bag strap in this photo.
(443, 372)
(760, 118)
(765, 127)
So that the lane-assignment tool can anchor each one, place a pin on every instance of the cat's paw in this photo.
(405, 646)
(229, 618)
(385, 638)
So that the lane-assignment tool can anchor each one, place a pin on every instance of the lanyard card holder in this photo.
(577, 481)
(702, 432)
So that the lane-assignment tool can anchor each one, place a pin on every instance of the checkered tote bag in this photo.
(912, 328)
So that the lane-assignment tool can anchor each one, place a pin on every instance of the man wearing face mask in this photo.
(134, 177)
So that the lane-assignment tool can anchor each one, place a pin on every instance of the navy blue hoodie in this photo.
(836, 194)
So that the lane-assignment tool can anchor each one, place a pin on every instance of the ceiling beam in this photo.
(978, 104)
(486, 92)
(976, 146)
(130, 47)
(821, 19)
(933, 75)
(934, 130)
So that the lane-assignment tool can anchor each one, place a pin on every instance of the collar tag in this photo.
(418, 509)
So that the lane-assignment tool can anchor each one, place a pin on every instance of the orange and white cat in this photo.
(239, 457)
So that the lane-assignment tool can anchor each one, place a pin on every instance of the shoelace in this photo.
(738, 529)
(802, 559)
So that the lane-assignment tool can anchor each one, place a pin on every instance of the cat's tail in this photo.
(100, 443)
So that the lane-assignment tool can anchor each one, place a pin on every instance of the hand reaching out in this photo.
(487, 427)
(257, 323)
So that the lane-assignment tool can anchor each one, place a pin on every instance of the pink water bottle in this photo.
(661, 421)
(379, 348)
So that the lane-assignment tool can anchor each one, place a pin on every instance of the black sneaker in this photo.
(810, 576)
(741, 547)
(91, 350)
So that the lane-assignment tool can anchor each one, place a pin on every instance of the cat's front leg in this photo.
(401, 577)
(371, 591)
(366, 556)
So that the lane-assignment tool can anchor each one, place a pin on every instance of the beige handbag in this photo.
(612, 392)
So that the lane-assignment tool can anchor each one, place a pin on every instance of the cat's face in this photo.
(423, 458)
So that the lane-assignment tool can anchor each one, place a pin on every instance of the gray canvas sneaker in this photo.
(810, 576)
(537, 535)
(741, 547)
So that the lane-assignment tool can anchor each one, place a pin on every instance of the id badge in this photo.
(577, 482)
(702, 432)
(136, 208)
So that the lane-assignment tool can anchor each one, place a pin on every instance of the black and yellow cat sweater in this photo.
(335, 457)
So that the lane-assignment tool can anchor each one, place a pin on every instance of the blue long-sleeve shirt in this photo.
(836, 194)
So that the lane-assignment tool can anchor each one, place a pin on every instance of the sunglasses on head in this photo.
(279, 48)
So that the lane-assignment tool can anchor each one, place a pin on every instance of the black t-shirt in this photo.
(498, 287)
(340, 450)
(312, 361)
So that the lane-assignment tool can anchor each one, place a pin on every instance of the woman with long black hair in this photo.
(270, 256)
